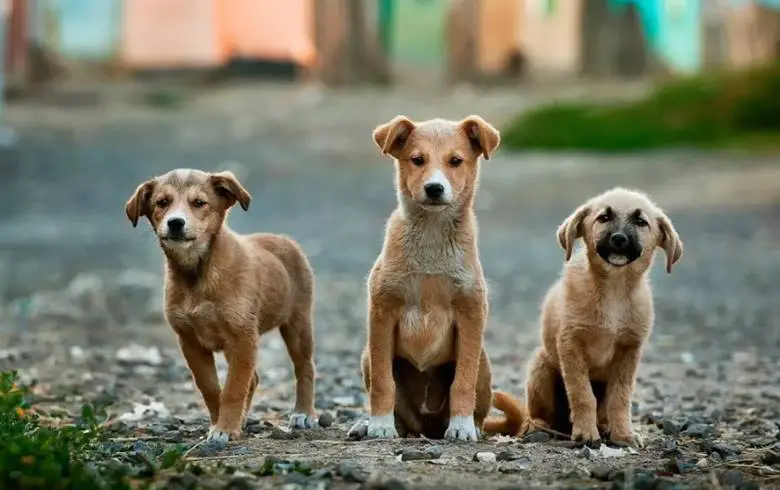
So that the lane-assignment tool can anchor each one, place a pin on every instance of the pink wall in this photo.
(552, 42)
(171, 33)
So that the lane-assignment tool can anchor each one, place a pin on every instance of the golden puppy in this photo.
(223, 290)
(597, 317)
(424, 366)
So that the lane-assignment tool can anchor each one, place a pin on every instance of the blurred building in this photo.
(352, 41)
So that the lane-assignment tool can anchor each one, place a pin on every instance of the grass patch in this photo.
(52, 454)
(736, 110)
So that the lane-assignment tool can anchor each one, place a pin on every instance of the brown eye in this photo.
(418, 160)
(603, 218)
(456, 161)
(198, 203)
(163, 203)
(640, 222)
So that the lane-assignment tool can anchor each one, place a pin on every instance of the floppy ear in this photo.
(670, 242)
(227, 186)
(571, 229)
(392, 136)
(138, 205)
(484, 137)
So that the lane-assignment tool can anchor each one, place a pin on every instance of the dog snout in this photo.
(176, 225)
(618, 240)
(434, 190)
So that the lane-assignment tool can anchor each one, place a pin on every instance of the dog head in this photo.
(437, 160)
(186, 207)
(622, 228)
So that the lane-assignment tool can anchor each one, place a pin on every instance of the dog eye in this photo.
(603, 218)
(455, 161)
(198, 203)
(162, 203)
(640, 222)
(418, 160)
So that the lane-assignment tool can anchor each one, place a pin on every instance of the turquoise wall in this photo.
(674, 34)
(83, 29)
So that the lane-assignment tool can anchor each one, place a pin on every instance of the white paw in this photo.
(382, 427)
(639, 441)
(217, 436)
(302, 421)
(461, 428)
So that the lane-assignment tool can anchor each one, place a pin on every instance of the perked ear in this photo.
(392, 136)
(138, 205)
(484, 137)
(571, 229)
(227, 186)
(670, 242)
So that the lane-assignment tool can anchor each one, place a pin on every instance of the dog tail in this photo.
(515, 419)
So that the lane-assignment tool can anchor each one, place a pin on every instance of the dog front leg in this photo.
(241, 357)
(381, 350)
(620, 387)
(470, 317)
(201, 363)
(582, 401)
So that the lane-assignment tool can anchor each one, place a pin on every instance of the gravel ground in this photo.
(82, 311)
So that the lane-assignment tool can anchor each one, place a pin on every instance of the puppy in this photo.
(424, 366)
(223, 290)
(597, 316)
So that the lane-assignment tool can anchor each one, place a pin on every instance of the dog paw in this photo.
(630, 438)
(585, 432)
(462, 428)
(217, 438)
(381, 427)
(358, 431)
(302, 421)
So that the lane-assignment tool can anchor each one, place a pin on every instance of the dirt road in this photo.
(82, 311)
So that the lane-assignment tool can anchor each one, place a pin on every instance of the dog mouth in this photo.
(618, 258)
(177, 239)
(433, 205)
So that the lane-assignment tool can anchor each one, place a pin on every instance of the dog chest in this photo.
(204, 320)
(426, 333)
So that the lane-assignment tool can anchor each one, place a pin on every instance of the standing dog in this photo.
(424, 367)
(597, 317)
(223, 290)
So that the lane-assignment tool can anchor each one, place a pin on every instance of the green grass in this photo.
(734, 110)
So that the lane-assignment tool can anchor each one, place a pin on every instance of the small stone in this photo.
(351, 472)
(733, 478)
(749, 485)
(653, 418)
(601, 472)
(514, 466)
(281, 433)
(209, 448)
(322, 474)
(771, 456)
(348, 414)
(724, 450)
(240, 483)
(670, 428)
(670, 448)
(702, 464)
(537, 436)
(509, 456)
(432, 452)
(377, 481)
(185, 481)
(296, 478)
(326, 420)
(698, 430)
(485, 457)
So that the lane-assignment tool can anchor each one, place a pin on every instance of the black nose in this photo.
(618, 240)
(176, 225)
(434, 190)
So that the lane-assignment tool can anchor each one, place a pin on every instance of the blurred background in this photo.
(678, 97)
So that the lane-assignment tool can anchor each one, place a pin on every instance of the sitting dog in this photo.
(597, 316)
(424, 366)
(224, 290)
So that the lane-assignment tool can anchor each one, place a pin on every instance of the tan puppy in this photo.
(424, 365)
(223, 290)
(597, 317)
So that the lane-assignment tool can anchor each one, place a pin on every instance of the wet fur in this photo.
(224, 290)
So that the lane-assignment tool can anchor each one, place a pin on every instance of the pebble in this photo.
(670, 428)
(377, 481)
(326, 419)
(485, 457)
(538, 436)
(698, 430)
(282, 434)
(733, 478)
(514, 466)
(601, 472)
(670, 448)
(296, 478)
(771, 456)
(351, 472)
(509, 456)
(702, 464)
(432, 452)
(240, 483)
(185, 481)
(348, 414)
